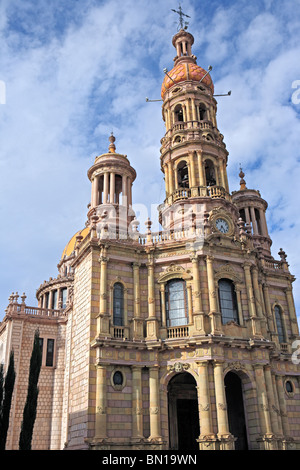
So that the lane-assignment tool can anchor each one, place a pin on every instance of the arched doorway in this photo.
(235, 410)
(184, 427)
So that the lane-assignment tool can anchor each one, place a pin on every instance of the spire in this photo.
(182, 24)
(242, 181)
(112, 147)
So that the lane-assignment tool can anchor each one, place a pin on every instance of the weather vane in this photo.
(183, 24)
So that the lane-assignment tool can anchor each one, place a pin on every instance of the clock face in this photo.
(222, 225)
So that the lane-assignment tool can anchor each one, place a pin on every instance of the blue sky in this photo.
(76, 70)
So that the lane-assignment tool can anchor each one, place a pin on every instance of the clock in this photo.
(222, 225)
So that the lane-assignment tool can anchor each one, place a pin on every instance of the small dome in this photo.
(186, 71)
(69, 248)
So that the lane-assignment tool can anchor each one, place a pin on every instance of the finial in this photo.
(182, 24)
(112, 147)
(242, 181)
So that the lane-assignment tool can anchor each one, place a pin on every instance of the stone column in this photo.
(151, 290)
(276, 404)
(176, 176)
(100, 419)
(227, 441)
(152, 322)
(225, 177)
(154, 399)
(192, 168)
(264, 227)
(282, 407)
(137, 320)
(166, 171)
(163, 306)
(112, 189)
(247, 215)
(271, 400)
(190, 303)
(292, 312)
(207, 438)
(198, 310)
(238, 289)
(137, 403)
(215, 316)
(200, 167)
(105, 188)
(262, 399)
(50, 299)
(258, 300)
(124, 190)
(95, 191)
(170, 172)
(253, 219)
(129, 193)
(194, 112)
(103, 318)
(269, 313)
(255, 322)
(58, 298)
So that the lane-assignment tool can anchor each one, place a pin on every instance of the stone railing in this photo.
(15, 308)
(196, 191)
(182, 125)
(178, 332)
(170, 235)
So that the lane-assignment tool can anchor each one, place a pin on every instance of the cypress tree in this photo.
(29, 413)
(6, 396)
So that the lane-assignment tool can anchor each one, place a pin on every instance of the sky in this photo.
(73, 71)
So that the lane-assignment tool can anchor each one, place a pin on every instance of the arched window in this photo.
(178, 113)
(279, 324)
(202, 112)
(176, 303)
(183, 175)
(228, 301)
(118, 304)
(258, 222)
(210, 175)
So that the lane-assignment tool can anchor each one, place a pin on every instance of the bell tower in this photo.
(112, 177)
(193, 154)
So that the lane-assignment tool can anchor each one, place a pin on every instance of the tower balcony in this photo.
(191, 125)
(197, 191)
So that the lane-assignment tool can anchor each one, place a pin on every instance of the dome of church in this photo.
(70, 246)
(186, 71)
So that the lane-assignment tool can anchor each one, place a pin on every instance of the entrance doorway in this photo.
(235, 409)
(184, 427)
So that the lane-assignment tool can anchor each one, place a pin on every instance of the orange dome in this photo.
(186, 71)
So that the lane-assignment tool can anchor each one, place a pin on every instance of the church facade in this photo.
(183, 339)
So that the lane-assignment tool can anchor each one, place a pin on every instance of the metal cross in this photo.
(183, 24)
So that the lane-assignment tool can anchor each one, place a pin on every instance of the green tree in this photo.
(6, 392)
(29, 413)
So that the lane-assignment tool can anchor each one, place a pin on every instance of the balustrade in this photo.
(178, 332)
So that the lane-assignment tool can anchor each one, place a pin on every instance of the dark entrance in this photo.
(184, 427)
(235, 409)
(188, 425)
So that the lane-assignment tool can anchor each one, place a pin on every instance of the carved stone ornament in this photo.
(178, 367)
(154, 410)
(204, 408)
(235, 366)
(101, 410)
(227, 271)
(222, 407)
(174, 271)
